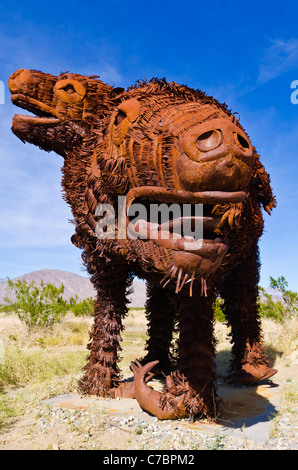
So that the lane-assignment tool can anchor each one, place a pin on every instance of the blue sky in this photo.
(243, 53)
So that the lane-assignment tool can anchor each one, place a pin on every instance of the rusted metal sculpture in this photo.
(155, 143)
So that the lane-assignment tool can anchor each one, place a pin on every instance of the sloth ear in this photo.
(261, 181)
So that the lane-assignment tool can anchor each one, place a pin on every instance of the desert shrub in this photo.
(6, 409)
(218, 309)
(279, 310)
(269, 308)
(82, 308)
(35, 306)
(5, 308)
(37, 365)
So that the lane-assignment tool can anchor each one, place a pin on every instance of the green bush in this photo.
(83, 308)
(268, 308)
(278, 310)
(38, 365)
(218, 309)
(41, 305)
(282, 309)
(5, 308)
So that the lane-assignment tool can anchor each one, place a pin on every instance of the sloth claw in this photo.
(249, 375)
(150, 399)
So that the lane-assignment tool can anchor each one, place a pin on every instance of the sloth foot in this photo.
(177, 401)
(156, 402)
(127, 388)
(250, 374)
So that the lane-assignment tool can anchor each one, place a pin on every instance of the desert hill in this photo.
(81, 286)
(74, 284)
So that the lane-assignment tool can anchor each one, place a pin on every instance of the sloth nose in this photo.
(15, 80)
(18, 79)
(216, 139)
(215, 155)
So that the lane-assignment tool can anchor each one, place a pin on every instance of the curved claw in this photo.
(150, 399)
(270, 373)
(137, 368)
(169, 382)
(126, 389)
(249, 375)
(162, 368)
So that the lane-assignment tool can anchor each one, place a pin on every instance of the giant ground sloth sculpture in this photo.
(156, 143)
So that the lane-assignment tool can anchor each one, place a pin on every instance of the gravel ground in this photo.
(86, 431)
(54, 428)
(37, 426)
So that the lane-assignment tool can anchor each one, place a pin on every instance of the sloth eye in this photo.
(209, 140)
(243, 142)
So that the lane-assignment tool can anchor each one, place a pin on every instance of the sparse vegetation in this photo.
(279, 310)
(45, 361)
(216, 442)
(36, 306)
(218, 309)
(37, 365)
(43, 305)
(82, 308)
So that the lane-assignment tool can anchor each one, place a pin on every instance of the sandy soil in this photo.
(76, 422)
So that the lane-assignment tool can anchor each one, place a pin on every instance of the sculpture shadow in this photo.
(241, 405)
(244, 405)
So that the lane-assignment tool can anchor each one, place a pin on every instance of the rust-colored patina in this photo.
(154, 143)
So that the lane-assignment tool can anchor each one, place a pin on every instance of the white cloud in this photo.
(280, 57)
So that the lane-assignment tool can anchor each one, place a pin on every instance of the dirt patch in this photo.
(52, 415)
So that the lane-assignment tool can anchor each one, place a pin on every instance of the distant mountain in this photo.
(74, 285)
(80, 286)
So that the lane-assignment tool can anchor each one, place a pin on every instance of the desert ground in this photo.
(38, 366)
